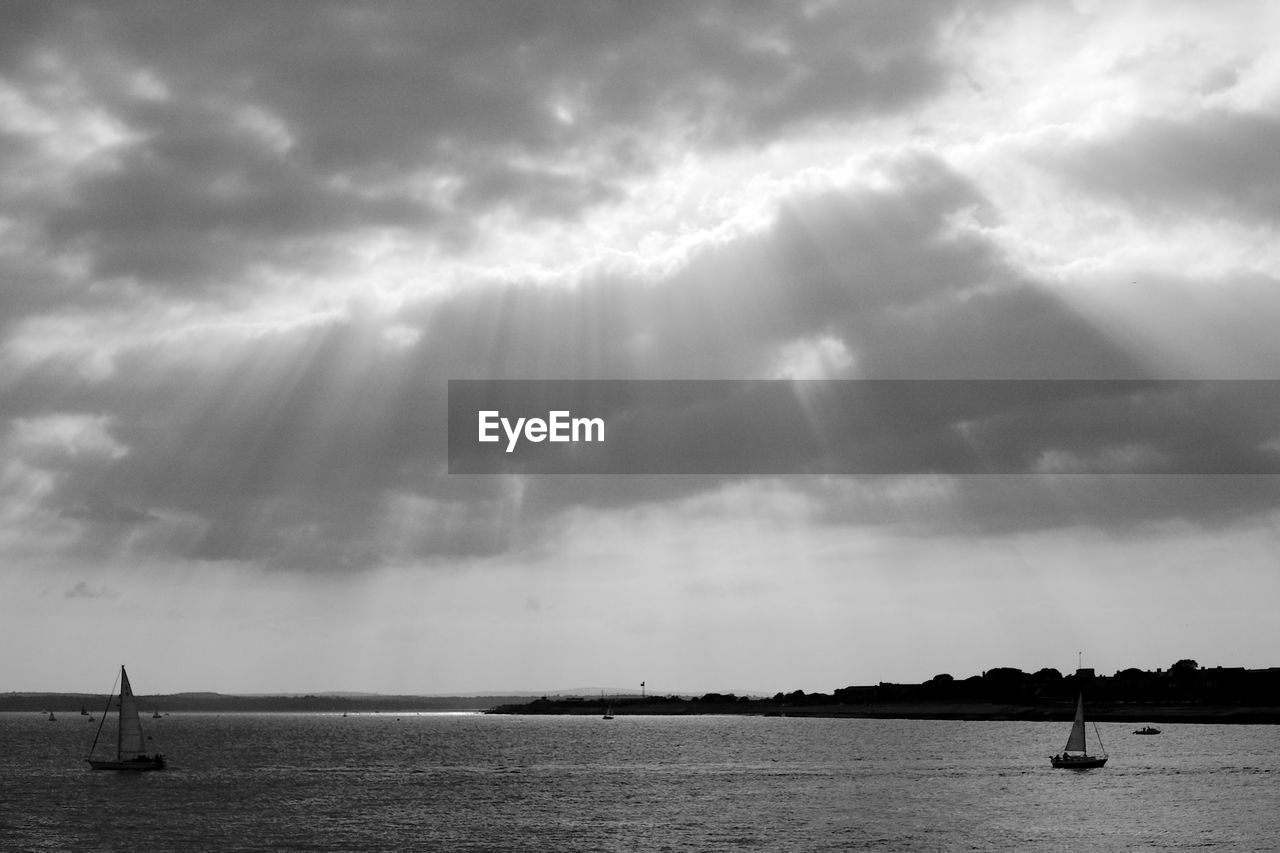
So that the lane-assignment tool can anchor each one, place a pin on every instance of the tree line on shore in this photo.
(1185, 682)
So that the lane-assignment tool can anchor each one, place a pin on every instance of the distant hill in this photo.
(224, 703)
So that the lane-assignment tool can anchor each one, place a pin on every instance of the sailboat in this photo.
(608, 712)
(1074, 755)
(131, 743)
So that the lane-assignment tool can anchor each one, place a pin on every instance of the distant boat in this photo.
(156, 715)
(608, 712)
(1075, 756)
(1146, 730)
(52, 718)
(83, 712)
(131, 742)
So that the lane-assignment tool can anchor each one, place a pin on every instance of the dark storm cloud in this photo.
(32, 288)
(260, 133)
(271, 136)
(1019, 330)
(203, 197)
(289, 448)
(885, 274)
(1214, 163)
(882, 271)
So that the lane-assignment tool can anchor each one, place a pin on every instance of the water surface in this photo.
(383, 782)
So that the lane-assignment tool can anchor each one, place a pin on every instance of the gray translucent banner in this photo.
(778, 427)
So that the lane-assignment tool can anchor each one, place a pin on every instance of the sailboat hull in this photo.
(137, 765)
(1077, 762)
(1075, 755)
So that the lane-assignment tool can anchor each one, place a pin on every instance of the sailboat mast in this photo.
(105, 711)
(124, 687)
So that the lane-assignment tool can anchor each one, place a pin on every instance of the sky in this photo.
(244, 248)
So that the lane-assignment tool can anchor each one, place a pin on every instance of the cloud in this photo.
(203, 270)
(83, 589)
(245, 248)
(195, 148)
(100, 508)
(322, 445)
(884, 272)
(1216, 162)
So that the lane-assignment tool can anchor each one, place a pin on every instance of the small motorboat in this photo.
(1147, 730)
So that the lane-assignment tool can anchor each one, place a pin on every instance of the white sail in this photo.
(132, 742)
(1075, 743)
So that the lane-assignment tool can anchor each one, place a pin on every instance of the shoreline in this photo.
(973, 711)
(1136, 713)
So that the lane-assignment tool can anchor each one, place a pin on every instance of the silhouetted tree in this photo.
(1005, 675)
(1004, 684)
(718, 697)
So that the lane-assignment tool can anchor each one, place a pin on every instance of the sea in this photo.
(474, 782)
